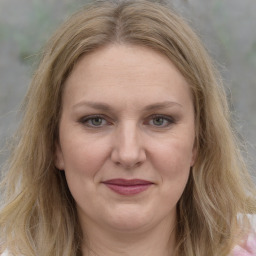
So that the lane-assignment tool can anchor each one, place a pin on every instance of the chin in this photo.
(131, 220)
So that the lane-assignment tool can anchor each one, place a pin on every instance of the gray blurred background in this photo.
(227, 28)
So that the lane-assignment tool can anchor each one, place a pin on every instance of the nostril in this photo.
(129, 159)
(128, 167)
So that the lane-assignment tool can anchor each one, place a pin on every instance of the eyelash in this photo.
(87, 119)
(167, 119)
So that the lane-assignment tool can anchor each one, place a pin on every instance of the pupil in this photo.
(97, 121)
(158, 121)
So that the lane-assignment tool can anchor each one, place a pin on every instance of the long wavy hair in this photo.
(38, 214)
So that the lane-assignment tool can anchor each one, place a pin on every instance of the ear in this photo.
(194, 155)
(59, 160)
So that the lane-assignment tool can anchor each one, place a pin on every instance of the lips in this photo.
(128, 187)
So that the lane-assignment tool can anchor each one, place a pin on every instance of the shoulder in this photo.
(248, 245)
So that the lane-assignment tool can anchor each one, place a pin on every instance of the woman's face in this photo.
(126, 138)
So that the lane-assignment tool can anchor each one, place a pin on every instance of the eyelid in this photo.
(168, 117)
(171, 120)
(84, 120)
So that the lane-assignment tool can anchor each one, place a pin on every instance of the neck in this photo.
(158, 240)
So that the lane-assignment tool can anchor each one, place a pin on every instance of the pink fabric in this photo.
(248, 247)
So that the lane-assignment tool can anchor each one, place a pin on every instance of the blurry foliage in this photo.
(40, 26)
(251, 56)
(3, 32)
(42, 22)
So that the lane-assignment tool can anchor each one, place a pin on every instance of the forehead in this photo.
(126, 73)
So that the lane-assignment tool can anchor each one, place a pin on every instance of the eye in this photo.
(161, 121)
(94, 121)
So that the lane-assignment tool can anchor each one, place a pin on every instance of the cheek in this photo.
(85, 158)
(173, 161)
(174, 157)
(82, 164)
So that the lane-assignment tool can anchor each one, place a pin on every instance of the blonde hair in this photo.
(38, 215)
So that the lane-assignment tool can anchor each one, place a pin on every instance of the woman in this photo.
(125, 147)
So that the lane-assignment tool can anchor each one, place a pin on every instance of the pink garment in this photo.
(248, 247)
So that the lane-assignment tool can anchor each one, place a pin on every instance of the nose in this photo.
(128, 150)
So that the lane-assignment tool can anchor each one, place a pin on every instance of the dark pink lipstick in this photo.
(128, 187)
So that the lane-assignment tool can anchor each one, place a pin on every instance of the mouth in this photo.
(128, 187)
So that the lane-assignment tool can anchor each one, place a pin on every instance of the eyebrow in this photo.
(162, 105)
(106, 107)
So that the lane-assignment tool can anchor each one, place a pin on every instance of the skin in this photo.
(126, 86)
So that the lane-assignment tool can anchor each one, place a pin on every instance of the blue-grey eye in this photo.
(93, 121)
(96, 121)
(161, 121)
